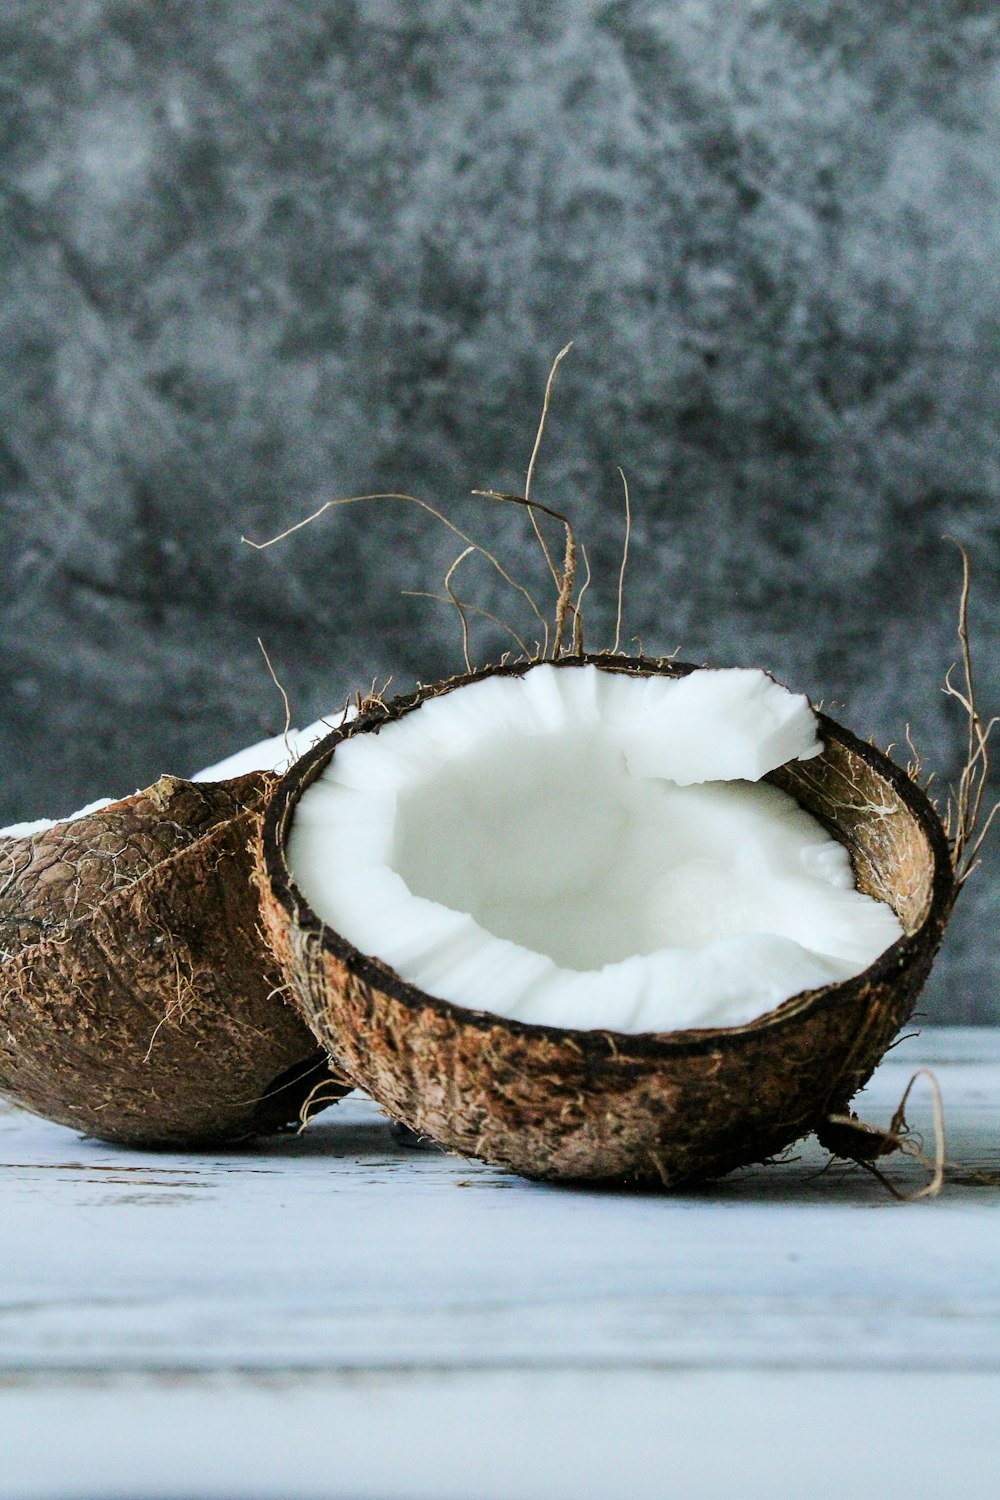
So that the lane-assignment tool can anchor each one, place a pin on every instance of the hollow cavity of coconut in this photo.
(138, 1000)
(755, 1062)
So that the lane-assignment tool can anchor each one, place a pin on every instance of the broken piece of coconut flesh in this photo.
(589, 849)
(274, 754)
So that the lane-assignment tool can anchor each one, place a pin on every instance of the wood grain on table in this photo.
(337, 1313)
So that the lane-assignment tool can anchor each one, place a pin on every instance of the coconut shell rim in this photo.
(280, 807)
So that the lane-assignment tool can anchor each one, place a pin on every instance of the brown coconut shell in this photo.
(604, 1106)
(138, 1000)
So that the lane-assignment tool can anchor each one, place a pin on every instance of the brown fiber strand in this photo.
(431, 510)
(284, 698)
(964, 821)
(459, 605)
(567, 578)
(567, 608)
(483, 614)
(326, 1092)
(578, 645)
(621, 571)
(546, 402)
(870, 1142)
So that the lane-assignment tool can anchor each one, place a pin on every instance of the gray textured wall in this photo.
(255, 254)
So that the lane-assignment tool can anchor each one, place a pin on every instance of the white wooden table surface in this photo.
(339, 1315)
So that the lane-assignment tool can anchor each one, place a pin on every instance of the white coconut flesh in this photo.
(579, 848)
(39, 825)
(274, 754)
(277, 753)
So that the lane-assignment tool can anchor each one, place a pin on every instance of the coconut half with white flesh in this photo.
(604, 919)
(138, 1000)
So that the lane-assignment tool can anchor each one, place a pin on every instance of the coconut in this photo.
(138, 1001)
(603, 1102)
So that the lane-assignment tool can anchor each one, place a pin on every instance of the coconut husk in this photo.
(605, 1106)
(138, 1001)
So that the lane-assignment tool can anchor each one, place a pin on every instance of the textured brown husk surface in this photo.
(138, 1001)
(603, 1106)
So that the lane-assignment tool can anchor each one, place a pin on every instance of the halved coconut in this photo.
(592, 1100)
(138, 1001)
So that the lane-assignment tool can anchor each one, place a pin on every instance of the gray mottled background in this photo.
(258, 253)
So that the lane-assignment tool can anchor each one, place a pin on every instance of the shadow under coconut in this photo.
(807, 1174)
(827, 1181)
(351, 1140)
